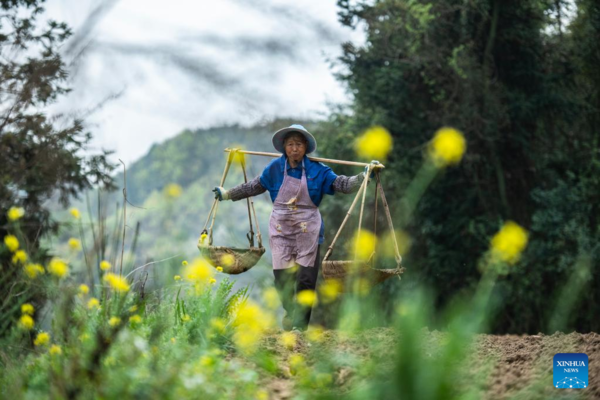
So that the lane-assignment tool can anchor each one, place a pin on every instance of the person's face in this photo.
(295, 148)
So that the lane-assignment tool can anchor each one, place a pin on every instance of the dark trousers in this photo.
(292, 281)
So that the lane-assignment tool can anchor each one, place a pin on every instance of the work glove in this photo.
(221, 193)
(374, 163)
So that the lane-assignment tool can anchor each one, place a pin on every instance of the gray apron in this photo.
(294, 225)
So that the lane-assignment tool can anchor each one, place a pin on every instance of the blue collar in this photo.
(307, 163)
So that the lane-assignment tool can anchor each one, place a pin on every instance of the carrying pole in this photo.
(318, 159)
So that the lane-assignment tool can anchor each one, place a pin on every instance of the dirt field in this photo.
(515, 367)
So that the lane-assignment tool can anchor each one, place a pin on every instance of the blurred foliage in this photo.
(39, 156)
(523, 85)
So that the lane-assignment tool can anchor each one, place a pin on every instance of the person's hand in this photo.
(221, 193)
(374, 164)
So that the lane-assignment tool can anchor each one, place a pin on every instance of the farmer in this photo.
(296, 185)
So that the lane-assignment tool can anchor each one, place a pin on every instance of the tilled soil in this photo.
(512, 366)
(523, 364)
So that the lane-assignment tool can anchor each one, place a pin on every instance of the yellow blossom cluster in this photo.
(105, 265)
(288, 340)
(114, 321)
(116, 282)
(508, 244)
(42, 339)
(173, 190)
(74, 212)
(315, 333)
(251, 323)
(74, 244)
(307, 298)
(375, 143)
(27, 309)
(84, 289)
(199, 273)
(11, 242)
(363, 244)
(26, 321)
(218, 326)
(55, 350)
(33, 270)
(58, 267)
(270, 298)
(227, 260)
(93, 303)
(15, 213)
(330, 290)
(19, 257)
(447, 147)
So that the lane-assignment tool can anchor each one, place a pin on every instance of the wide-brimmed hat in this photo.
(280, 135)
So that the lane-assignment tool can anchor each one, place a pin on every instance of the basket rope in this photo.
(338, 266)
(215, 206)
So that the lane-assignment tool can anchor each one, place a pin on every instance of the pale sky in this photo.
(142, 71)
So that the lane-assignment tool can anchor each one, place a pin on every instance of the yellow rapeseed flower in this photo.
(135, 319)
(55, 350)
(84, 289)
(177, 277)
(315, 333)
(33, 270)
(199, 271)
(116, 282)
(212, 281)
(185, 318)
(207, 361)
(447, 147)
(15, 213)
(58, 267)
(227, 260)
(26, 322)
(20, 257)
(288, 340)
(74, 212)
(218, 325)
(105, 265)
(364, 244)
(11, 242)
(386, 244)
(250, 324)
(133, 308)
(114, 321)
(508, 244)
(271, 298)
(93, 303)
(297, 363)
(42, 339)
(219, 269)
(173, 190)
(202, 240)
(306, 298)
(27, 309)
(261, 394)
(74, 244)
(184, 263)
(330, 290)
(375, 143)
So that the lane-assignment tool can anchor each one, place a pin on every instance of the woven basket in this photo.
(244, 259)
(339, 269)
